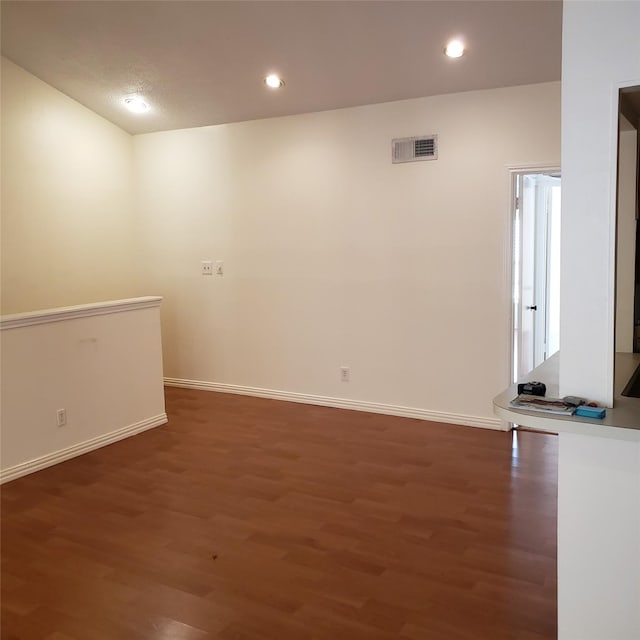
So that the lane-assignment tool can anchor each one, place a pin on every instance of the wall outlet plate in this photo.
(206, 268)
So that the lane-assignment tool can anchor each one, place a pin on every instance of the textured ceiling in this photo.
(201, 63)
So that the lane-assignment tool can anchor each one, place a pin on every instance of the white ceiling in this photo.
(201, 63)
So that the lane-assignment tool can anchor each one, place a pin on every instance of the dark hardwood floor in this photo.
(246, 518)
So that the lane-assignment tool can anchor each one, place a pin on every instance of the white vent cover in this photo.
(413, 149)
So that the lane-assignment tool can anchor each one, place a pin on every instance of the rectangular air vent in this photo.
(413, 149)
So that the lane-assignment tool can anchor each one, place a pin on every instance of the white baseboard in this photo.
(50, 459)
(340, 403)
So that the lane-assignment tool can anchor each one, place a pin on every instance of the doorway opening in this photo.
(535, 269)
(627, 334)
(627, 328)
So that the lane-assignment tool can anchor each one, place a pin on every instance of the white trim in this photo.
(534, 167)
(50, 459)
(342, 403)
(46, 316)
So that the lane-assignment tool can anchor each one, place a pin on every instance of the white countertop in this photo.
(621, 422)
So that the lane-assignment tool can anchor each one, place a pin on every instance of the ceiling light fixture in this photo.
(454, 48)
(136, 105)
(273, 81)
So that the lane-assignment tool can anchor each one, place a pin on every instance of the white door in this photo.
(536, 271)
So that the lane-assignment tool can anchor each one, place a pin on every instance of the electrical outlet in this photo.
(219, 267)
(344, 374)
(61, 417)
(206, 268)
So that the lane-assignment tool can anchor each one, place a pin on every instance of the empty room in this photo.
(277, 278)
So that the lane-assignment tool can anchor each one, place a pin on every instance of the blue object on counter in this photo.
(590, 412)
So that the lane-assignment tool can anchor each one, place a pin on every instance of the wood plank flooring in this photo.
(252, 519)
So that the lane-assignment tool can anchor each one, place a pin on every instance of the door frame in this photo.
(513, 171)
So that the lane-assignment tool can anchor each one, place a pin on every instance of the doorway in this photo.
(535, 269)
(627, 332)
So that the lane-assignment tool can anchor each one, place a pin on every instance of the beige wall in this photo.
(67, 223)
(335, 257)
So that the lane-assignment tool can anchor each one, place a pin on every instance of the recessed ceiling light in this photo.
(136, 105)
(273, 81)
(454, 48)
